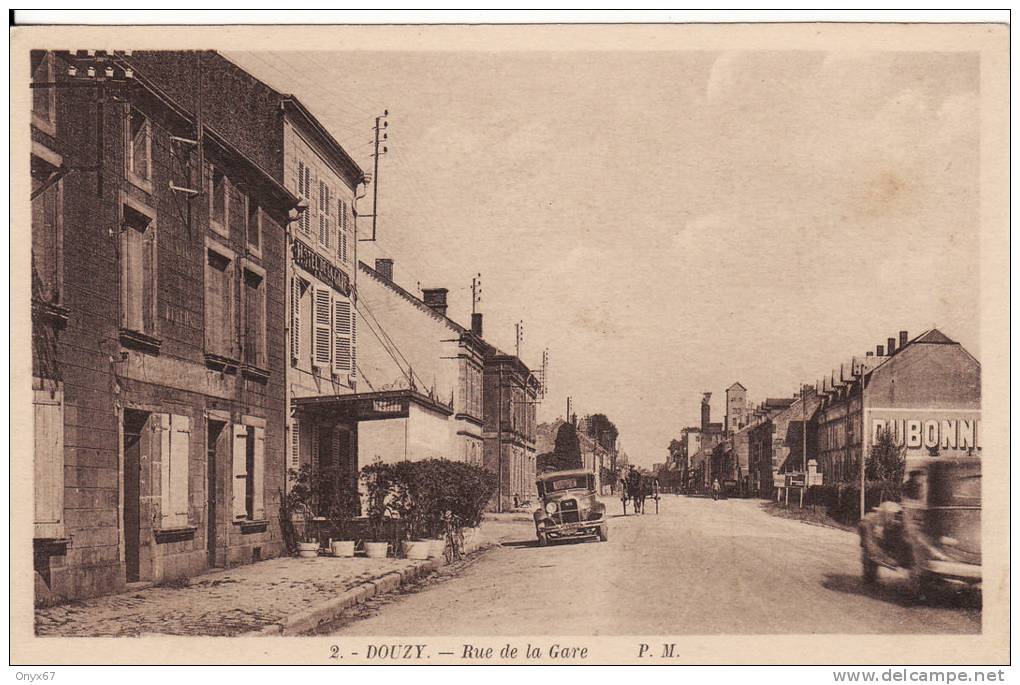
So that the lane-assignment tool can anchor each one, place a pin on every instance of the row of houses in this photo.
(925, 391)
(202, 326)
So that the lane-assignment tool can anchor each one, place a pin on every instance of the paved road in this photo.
(700, 567)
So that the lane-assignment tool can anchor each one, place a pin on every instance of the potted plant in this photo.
(342, 505)
(379, 484)
(298, 517)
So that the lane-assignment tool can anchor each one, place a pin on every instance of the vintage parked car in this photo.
(935, 533)
(569, 507)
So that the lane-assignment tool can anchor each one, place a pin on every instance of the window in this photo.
(175, 449)
(297, 289)
(219, 301)
(248, 470)
(139, 150)
(47, 228)
(138, 269)
(322, 327)
(343, 328)
(253, 227)
(304, 191)
(342, 224)
(254, 317)
(325, 216)
(44, 103)
(48, 415)
(218, 202)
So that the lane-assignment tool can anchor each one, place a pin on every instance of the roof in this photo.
(736, 385)
(550, 475)
(779, 402)
(933, 337)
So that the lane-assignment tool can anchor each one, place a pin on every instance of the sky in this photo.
(667, 223)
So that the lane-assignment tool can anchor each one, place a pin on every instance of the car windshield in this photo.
(558, 484)
(958, 486)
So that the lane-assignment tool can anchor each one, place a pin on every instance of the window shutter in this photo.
(315, 446)
(240, 469)
(180, 441)
(258, 482)
(323, 334)
(354, 341)
(49, 464)
(295, 318)
(323, 218)
(295, 444)
(338, 451)
(161, 424)
(342, 324)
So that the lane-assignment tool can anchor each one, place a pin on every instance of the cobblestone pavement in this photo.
(239, 600)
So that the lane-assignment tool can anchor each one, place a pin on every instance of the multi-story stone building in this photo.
(926, 391)
(280, 134)
(776, 439)
(158, 291)
(510, 399)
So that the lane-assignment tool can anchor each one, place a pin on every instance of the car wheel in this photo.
(603, 533)
(924, 586)
(543, 539)
(869, 569)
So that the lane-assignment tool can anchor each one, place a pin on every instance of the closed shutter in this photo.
(323, 226)
(49, 464)
(240, 470)
(338, 452)
(258, 477)
(315, 446)
(180, 443)
(342, 327)
(295, 318)
(161, 424)
(295, 444)
(323, 334)
(354, 341)
(341, 245)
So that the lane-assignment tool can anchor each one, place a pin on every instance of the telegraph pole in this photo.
(476, 292)
(520, 337)
(381, 135)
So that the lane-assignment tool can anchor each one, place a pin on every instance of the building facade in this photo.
(510, 402)
(279, 133)
(412, 346)
(159, 280)
(925, 391)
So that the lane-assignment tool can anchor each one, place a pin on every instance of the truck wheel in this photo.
(603, 533)
(924, 586)
(869, 569)
(543, 539)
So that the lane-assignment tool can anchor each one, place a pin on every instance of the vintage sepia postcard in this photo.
(510, 344)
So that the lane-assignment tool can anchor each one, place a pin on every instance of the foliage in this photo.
(602, 430)
(843, 500)
(886, 463)
(420, 493)
(551, 461)
(567, 447)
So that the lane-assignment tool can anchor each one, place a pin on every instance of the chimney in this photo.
(384, 267)
(476, 323)
(436, 299)
(890, 345)
(706, 411)
(869, 354)
(879, 351)
(903, 339)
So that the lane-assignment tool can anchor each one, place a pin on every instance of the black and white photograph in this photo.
(434, 344)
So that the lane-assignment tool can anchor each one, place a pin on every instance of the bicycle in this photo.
(454, 536)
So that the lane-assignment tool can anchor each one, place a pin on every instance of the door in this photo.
(134, 428)
(214, 492)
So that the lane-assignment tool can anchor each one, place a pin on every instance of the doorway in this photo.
(214, 434)
(134, 430)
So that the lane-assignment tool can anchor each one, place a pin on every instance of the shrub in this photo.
(843, 500)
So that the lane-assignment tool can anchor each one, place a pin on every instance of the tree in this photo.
(887, 461)
(602, 431)
(567, 447)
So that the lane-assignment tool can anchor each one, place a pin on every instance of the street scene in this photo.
(593, 342)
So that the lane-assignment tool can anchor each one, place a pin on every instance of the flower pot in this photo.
(376, 550)
(308, 550)
(342, 548)
(437, 548)
(418, 549)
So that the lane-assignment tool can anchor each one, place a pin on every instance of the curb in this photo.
(307, 620)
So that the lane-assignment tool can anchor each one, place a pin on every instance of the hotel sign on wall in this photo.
(320, 267)
(948, 430)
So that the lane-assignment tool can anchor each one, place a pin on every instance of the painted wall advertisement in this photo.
(950, 431)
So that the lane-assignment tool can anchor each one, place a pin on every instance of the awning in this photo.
(369, 406)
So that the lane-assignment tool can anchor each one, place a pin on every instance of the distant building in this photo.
(775, 439)
(736, 408)
(510, 403)
(925, 391)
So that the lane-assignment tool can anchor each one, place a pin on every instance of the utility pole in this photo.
(381, 136)
(476, 292)
(520, 337)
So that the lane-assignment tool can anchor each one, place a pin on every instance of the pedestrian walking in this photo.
(716, 488)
